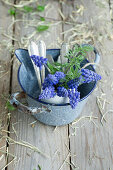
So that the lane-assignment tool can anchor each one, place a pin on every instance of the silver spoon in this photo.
(33, 50)
(42, 53)
(64, 51)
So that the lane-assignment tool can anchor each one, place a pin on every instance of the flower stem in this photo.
(79, 53)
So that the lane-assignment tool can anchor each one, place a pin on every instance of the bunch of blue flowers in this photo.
(64, 79)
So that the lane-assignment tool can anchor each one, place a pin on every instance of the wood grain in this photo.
(51, 141)
(5, 64)
(91, 141)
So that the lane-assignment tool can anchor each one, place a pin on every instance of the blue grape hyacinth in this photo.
(47, 93)
(74, 97)
(89, 76)
(74, 83)
(50, 80)
(59, 75)
(39, 61)
(62, 92)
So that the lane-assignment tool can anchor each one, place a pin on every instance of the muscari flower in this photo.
(50, 80)
(74, 97)
(90, 76)
(47, 93)
(59, 75)
(74, 83)
(62, 92)
(39, 61)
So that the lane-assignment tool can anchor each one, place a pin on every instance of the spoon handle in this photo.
(33, 50)
(42, 53)
(50, 58)
(64, 51)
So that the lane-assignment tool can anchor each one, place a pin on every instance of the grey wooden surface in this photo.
(87, 143)
(92, 142)
(5, 63)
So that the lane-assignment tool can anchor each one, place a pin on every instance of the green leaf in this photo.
(65, 65)
(70, 75)
(40, 8)
(28, 9)
(72, 69)
(86, 48)
(12, 11)
(10, 107)
(42, 19)
(52, 68)
(67, 56)
(39, 167)
(42, 28)
(57, 64)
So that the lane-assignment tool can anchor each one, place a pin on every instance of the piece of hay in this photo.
(25, 144)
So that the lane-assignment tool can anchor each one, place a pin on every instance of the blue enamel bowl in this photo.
(61, 114)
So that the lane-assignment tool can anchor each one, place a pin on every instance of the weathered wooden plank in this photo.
(91, 141)
(51, 141)
(5, 63)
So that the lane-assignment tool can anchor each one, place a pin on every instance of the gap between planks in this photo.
(13, 89)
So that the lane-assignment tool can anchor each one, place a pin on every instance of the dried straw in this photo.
(26, 144)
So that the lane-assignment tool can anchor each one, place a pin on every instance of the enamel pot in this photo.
(47, 113)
